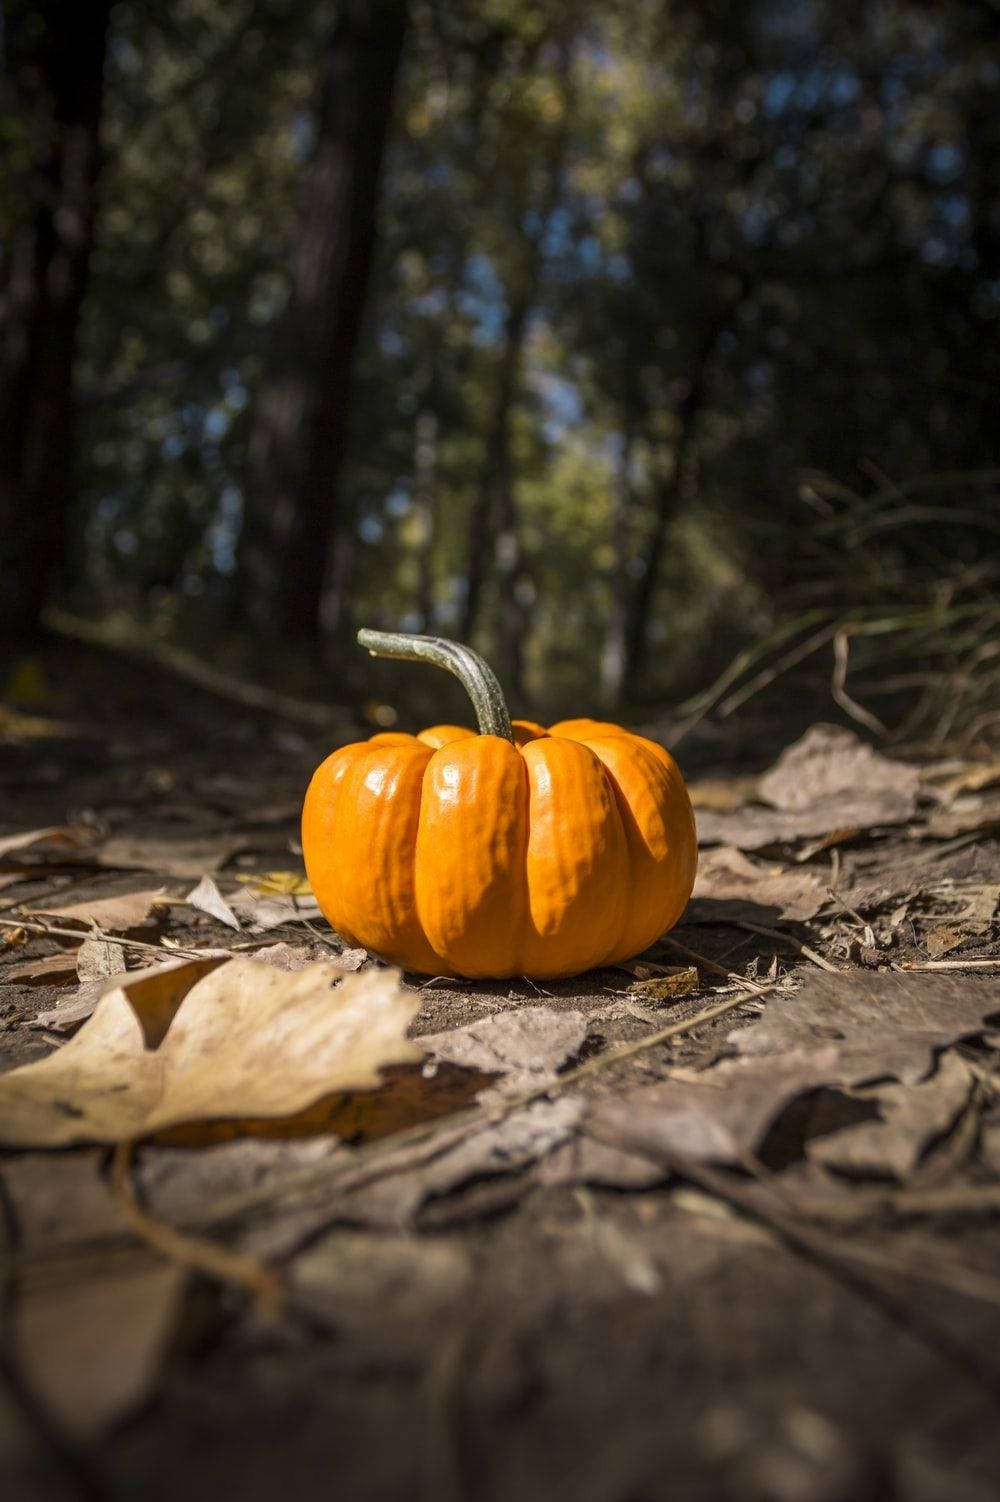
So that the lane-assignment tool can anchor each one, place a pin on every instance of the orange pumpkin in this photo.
(517, 851)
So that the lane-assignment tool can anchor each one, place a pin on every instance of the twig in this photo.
(97, 933)
(953, 965)
(699, 959)
(193, 1251)
(838, 688)
(774, 933)
(192, 669)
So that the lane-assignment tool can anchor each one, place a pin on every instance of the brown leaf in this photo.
(880, 1026)
(115, 914)
(680, 981)
(738, 887)
(719, 1116)
(263, 913)
(912, 1116)
(54, 836)
(415, 1175)
(192, 856)
(245, 1040)
(96, 959)
(827, 781)
(90, 1343)
(58, 1198)
(49, 969)
(829, 762)
(965, 816)
(71, 1010)
(207, 898)
(526, 1046)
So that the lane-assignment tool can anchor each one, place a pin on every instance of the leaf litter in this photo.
(843, 1082)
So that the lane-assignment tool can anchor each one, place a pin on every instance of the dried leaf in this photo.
(96, 959)
(279, 883)
(245, 1040)
(912, 1116)
(71, 1011)
(50, 969)
(207, 898)
(90, 1343)
(57, 1198)
(738, 887)
(192, 856)
(54, 836)
(114, 914)
(720, 1116)
(681, 981)
(880, 1026)
(416, 1175)
(264, 913)
(828, 781)
(526, 1046)
(965, 816)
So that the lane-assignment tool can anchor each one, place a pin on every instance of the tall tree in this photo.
(53, 77)
(296, 455)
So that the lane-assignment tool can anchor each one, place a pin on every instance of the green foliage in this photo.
(758, 244)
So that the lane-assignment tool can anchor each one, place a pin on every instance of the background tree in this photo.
(53, 63)
(672, 311)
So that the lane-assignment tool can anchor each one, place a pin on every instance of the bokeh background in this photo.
(652, 348)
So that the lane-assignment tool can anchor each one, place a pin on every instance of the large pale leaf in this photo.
(244, 1041)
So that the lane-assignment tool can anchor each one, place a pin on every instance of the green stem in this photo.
(476, 676)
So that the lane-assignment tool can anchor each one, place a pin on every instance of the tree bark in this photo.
(293, 502)
(55, 67)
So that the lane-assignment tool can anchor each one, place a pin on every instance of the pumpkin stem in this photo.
(476, 676)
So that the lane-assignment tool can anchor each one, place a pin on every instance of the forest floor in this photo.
(722, 1224)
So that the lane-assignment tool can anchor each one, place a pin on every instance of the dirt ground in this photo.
(583, 1251)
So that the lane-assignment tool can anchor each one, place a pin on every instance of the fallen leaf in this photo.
(192, 856)
(244, 1041)
(115, 914)
(965, 816)
(90, 1343)
(207, 898)
(96, 959)
(720, 1116)
(828, 762)
(54, 836)
(413, 1176)
(828, 781)
(56, 1198)
(526, 1046)
(298, 956)
(264, 913)
(738, 886)
(969, 779)
(722, 793)
(880, 1026)
(912, 1116)
(585, 1160)
(682, 981)
(279, 883)
(49, 969)
(71, 1010)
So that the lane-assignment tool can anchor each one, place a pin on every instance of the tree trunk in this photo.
(55, 61)
(668, 500)
(492, 520)
(297, 448)
(614, 652)
(424, 464)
